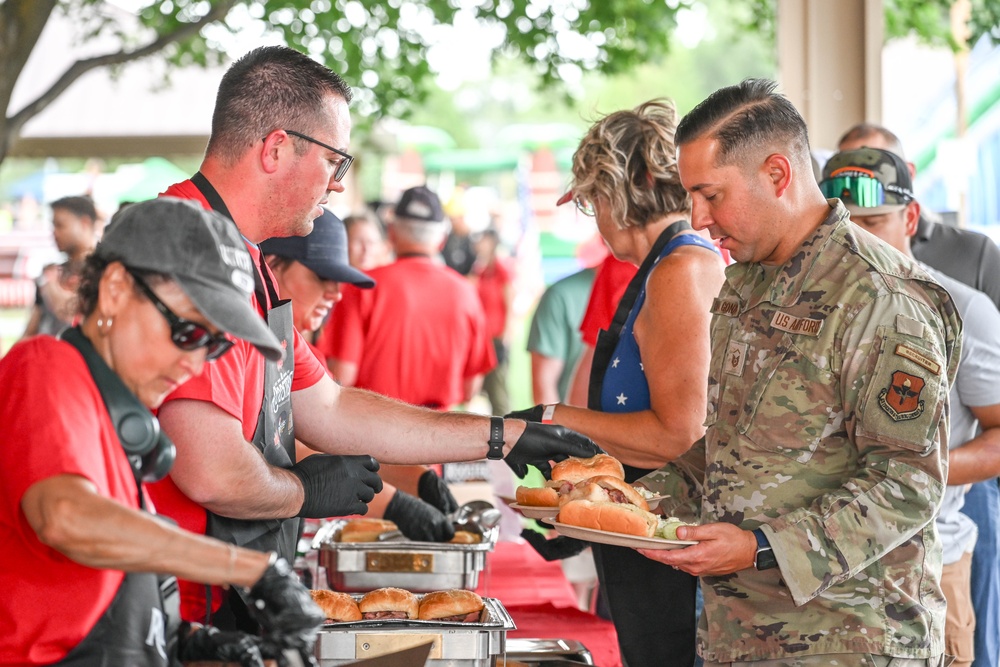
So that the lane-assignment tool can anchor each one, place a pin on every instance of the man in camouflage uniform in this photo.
(832, 358)
(974, 415)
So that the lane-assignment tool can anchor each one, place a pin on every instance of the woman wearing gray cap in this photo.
(159, 297)
(309, 271)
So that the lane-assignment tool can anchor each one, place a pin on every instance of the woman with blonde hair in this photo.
(650, 371)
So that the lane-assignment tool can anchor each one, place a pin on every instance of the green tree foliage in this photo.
(379, 46)
(927, 19)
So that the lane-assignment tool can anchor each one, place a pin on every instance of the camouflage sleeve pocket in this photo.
(905, 397)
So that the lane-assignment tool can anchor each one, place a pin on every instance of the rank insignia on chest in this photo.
(736, 358)
(901, 399)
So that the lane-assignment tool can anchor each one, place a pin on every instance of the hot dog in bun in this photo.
(609, 517)
(383, 603)
(543, 496)
(606, 489)
(454, 605)
(339, 607)
(365, 530)
(565, 476)
(574, 470)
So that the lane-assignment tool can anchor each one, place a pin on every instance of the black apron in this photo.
(141, 625)
(274, 437)
(652, 604)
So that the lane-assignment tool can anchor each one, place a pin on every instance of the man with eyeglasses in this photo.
(277, 150)
(826, 442)
(884, 205)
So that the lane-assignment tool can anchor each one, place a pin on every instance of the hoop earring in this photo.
(104, 325)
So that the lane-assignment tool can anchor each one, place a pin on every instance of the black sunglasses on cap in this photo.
(185, 334)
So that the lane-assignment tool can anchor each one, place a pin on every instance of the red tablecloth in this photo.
(542, 603)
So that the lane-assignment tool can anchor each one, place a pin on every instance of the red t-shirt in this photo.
(52, 422)
(491, 283)
(610, 283)
(416, 336)
(234, 383)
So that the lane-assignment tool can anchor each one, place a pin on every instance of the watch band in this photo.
(549, 413)
(496, 439)
(764, 558)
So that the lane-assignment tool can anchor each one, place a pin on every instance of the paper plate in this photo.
(534, 511)
(619, 539)
(654, 502)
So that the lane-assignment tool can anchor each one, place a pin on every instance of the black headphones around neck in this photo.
(149, 450)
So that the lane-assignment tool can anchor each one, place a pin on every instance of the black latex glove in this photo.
(433, 490)
(286, 612)
(555, 549)
(541, 443)
(198, 643)
(418, 520)
(529, 414)
(337, 485)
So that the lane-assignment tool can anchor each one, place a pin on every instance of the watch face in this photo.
(765, 560)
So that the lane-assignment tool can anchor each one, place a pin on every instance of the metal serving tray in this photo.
(548, 652)
(420, 567)
(452, 644)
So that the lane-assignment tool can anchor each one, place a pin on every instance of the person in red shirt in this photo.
(421, 335)
(277, 150)
(81, 547)
(494, 284)
(309, 270)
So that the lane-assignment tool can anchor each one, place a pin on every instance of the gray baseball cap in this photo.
(203, 252)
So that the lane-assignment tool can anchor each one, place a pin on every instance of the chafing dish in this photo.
(417, 566)
(452, 644)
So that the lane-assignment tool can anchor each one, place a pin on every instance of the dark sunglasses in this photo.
(345, 158)
(186, 334)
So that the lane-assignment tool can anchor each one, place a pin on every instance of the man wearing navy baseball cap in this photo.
(310, 271)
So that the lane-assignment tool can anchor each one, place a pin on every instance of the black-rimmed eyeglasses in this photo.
(185, 334)
(345, 158)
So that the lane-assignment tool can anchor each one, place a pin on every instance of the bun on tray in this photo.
(383, 603)
(365, 530)
(466, 537)
(609, 517)
(339, 607)
(453, 605)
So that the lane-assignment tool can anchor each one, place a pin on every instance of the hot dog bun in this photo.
(451, 603)
(609, 517)
(606, 489)
(389, 600)
(339, 607)
(544, 496)
(466, 537)
(365, 530)
(575, 470)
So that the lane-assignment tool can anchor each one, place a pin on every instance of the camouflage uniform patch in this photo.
(799, 445)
